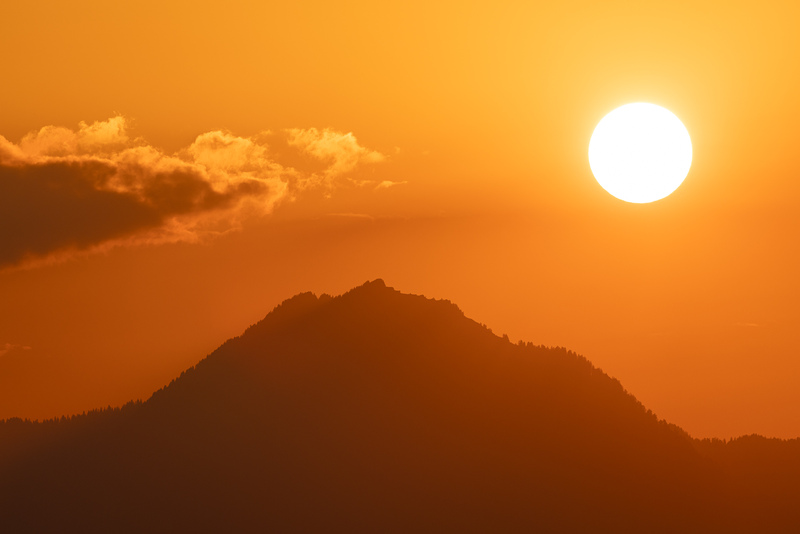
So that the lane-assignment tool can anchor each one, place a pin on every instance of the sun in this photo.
(640, 152)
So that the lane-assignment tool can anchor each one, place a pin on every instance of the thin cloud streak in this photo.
(64, 191)
(8, 347)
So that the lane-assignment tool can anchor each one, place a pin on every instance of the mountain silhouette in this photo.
(378, 411)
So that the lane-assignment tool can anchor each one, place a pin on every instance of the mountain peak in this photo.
(378, 283)
(378, 411)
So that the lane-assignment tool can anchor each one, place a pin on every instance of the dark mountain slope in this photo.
(373, 411)
(766, 475)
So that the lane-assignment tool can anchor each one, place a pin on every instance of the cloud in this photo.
(101, 136)
(8, 347)
(386, 184)
(341, 151)
(354, 216)
(65, 190)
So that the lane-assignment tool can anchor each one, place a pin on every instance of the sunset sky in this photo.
(171, 171)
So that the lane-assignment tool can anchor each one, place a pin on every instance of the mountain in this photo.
(377, 411)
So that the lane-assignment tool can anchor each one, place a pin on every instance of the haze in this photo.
(464, 176)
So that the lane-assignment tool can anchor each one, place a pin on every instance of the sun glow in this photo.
(640, 152)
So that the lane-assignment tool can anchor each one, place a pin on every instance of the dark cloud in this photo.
(64, 190)
(68, 205)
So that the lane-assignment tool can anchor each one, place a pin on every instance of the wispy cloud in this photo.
(341, 152)
(356, 216)
(64, 190)
(386, 184)
(8, 347)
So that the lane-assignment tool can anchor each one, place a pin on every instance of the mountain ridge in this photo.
(379, 410)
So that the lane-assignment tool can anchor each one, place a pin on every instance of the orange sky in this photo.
(466, 177)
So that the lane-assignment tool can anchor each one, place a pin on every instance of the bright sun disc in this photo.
(640, 152)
